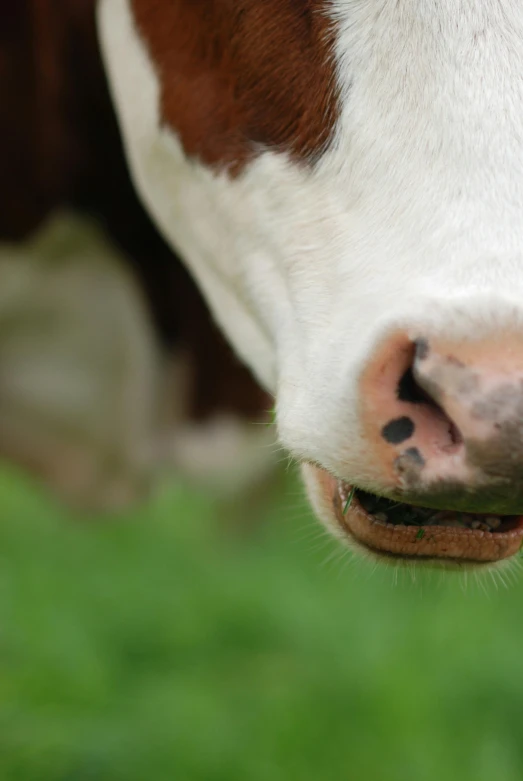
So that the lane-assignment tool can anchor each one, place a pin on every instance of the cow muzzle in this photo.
(443, 426)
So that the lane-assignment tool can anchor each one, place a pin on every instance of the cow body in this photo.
(345, 183)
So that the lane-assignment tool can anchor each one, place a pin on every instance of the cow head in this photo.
(345, 181)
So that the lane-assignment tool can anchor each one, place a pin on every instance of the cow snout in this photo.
(444, 421)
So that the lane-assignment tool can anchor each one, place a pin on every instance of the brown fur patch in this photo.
(243, 75)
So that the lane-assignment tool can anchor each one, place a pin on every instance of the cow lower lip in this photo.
(428, 534)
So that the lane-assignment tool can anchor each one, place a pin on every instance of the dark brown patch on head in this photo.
(243, 75)
(397, 431)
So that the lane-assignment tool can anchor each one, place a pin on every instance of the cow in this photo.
(344, 183)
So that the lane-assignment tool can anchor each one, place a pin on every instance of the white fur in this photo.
(413, 217)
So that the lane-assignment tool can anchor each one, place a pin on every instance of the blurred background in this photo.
(202, 640)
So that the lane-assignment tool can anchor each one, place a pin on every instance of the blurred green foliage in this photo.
(172, 645)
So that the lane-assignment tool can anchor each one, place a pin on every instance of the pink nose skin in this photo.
(444, 421)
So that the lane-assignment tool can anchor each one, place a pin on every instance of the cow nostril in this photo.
(406, 414)
(410, 391)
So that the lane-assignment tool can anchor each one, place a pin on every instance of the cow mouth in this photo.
(399, 530)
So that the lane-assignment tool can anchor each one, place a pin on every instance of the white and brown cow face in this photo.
(344, 178)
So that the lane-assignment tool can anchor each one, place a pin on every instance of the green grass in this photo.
(169, 645)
